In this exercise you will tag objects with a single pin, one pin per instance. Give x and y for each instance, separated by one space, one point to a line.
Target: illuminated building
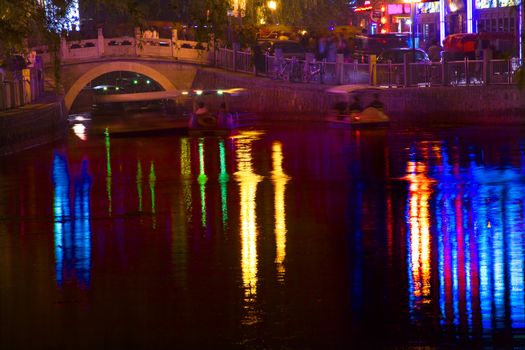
434 20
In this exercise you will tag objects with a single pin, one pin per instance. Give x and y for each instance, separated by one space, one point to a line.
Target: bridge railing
127 46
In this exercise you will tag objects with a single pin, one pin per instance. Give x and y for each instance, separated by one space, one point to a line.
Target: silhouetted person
355 106
376 103
258 60
224 118
340 107
201 108
434 51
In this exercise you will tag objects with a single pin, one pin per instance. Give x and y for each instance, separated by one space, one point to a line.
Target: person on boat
376 103
355 106
224 118
201 109
204 119
340 107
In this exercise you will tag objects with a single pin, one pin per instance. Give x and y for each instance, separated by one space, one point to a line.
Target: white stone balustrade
126 46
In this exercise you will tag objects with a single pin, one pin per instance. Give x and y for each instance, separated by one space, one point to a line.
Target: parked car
395 74
373 44
458 46
289 48
396 55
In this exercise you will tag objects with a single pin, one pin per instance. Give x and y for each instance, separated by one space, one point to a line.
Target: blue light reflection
72 228
478 219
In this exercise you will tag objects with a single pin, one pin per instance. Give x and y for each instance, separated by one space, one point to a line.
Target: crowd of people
326 47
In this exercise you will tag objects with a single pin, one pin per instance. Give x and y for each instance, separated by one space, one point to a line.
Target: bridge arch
109 67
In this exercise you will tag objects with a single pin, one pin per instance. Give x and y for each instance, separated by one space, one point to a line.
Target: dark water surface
289 236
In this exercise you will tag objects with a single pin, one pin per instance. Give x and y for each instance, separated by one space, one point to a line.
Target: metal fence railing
18 88
452 73
243 62
356 73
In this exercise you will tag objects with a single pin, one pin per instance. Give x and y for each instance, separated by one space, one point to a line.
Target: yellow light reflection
152 182
279 179
185 171
420 189
179 217
248 182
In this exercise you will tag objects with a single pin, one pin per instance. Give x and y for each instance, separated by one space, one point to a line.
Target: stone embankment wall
470 105
32 125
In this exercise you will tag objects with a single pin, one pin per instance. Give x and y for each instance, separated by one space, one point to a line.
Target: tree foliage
314 14
17 21
209 17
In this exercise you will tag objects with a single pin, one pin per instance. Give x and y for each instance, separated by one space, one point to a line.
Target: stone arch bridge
168 74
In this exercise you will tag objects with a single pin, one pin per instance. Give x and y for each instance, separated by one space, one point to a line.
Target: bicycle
313 72
287 70
281 70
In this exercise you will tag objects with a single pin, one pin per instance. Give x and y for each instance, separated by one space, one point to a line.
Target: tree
25 22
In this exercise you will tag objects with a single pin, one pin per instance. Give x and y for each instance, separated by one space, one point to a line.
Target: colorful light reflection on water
270 238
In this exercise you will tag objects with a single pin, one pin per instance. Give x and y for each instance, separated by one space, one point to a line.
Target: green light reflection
185 170
223 180
139 184
108 170
202 179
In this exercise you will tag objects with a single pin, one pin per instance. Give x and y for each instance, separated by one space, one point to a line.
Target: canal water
282 236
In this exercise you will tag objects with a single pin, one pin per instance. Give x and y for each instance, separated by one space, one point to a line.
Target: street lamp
272 6
230 14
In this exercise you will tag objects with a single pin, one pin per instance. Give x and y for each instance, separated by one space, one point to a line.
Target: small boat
369 117
209 124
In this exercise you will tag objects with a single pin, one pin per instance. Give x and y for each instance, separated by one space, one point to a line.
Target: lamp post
413 27
230 13
412 21
413 14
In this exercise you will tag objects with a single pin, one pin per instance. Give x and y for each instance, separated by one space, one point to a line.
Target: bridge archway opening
110 67
117 82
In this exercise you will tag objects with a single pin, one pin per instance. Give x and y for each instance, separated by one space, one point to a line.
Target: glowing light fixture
272 5
80 131
442 33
